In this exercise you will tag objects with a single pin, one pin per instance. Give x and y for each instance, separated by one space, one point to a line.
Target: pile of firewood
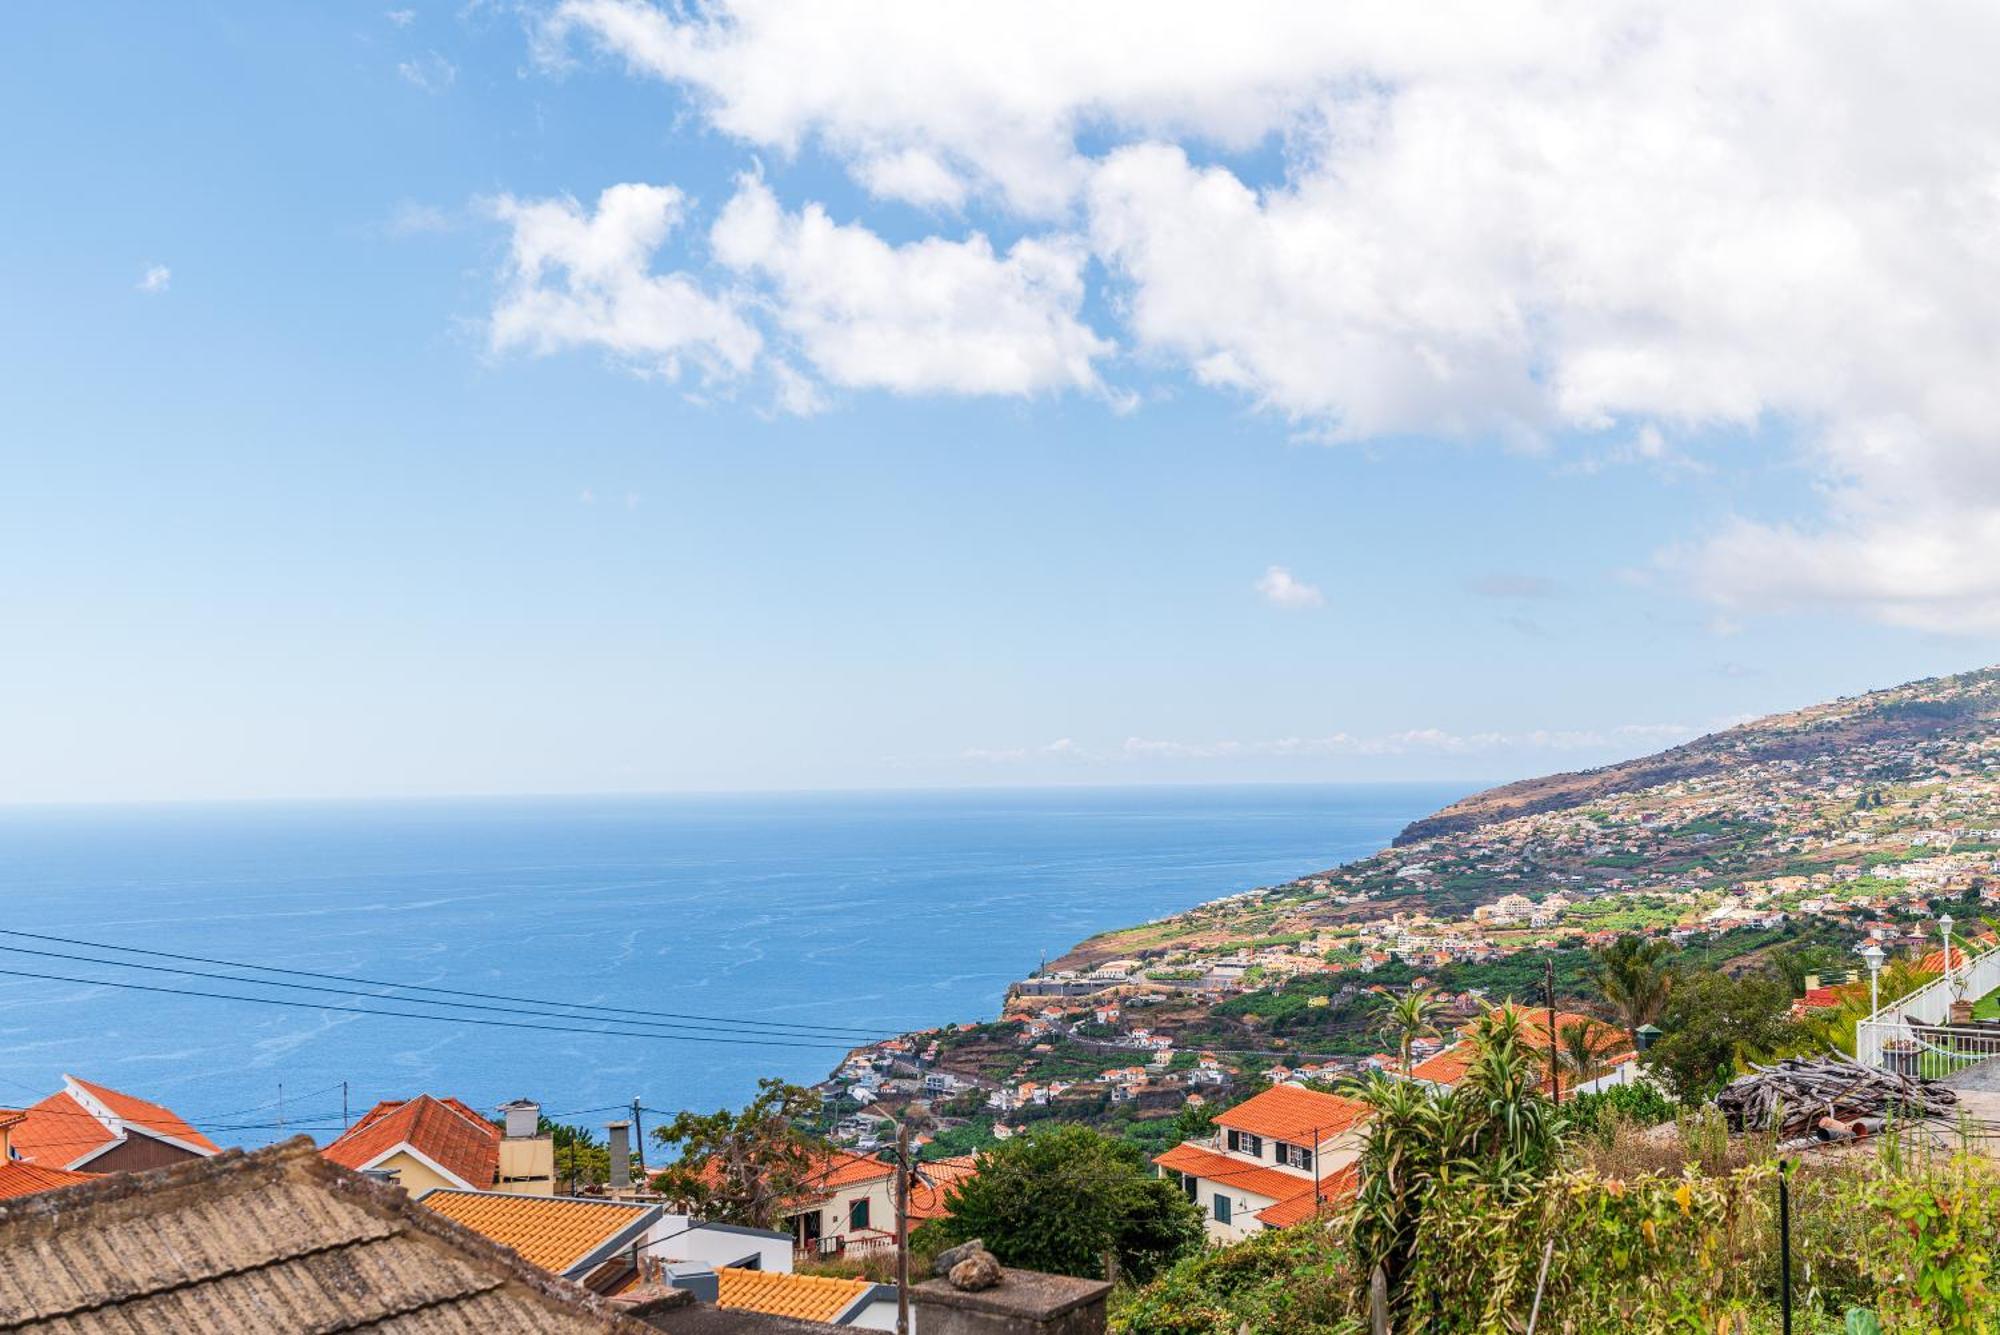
1831 1098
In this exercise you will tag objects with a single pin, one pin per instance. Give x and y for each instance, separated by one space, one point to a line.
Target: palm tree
1578 1049
1409 1018
1635 975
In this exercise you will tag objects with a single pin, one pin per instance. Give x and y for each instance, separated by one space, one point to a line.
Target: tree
1714 1022
750 1167
1064 1197
1636 975
1408 1018
1579 1051
1496 1125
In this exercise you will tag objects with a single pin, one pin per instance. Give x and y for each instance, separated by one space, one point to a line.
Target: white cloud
930 316
402 18
1280 588
413 219
156 278
431 72
1634 222
577 279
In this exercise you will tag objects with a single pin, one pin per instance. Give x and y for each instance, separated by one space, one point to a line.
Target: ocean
858 913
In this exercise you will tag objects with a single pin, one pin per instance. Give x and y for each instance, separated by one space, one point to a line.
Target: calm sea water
878 912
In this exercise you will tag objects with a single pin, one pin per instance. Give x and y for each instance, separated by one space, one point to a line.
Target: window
1233 1140
1252 1145
1192 1186
1298 1156
857 1214
1221 1210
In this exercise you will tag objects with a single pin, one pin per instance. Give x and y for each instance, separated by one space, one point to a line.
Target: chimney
618 1136
527 1158
524 1118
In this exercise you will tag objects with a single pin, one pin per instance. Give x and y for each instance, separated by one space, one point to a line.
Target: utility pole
902 1228
1549 987
345 1120
639 1137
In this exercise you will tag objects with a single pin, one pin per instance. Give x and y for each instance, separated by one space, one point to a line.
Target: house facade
427 1142
1276 1158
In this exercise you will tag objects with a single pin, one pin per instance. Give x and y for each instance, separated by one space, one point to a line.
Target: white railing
1894 1026
1931 1051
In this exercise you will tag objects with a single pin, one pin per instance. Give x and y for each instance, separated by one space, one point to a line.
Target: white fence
1914 1034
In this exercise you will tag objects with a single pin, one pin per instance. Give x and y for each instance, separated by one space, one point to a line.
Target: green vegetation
1063 1198
1713 1024
744 1167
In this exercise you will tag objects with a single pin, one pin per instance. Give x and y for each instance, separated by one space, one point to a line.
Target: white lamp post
1944 928
1871 954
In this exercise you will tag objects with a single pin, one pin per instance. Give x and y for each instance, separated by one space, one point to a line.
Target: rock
979 1270
951 1256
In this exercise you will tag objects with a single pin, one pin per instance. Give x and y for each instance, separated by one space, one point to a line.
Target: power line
415 1015
739 1021
350 992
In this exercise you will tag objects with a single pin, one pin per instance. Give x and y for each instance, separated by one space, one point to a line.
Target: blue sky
292 518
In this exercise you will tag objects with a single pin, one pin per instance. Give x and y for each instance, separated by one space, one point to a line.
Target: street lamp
1944 928
1872 956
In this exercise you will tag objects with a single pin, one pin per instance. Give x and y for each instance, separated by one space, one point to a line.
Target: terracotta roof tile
146 1116
557 1233
445 1131
1287 1112
1333 1190
1210 1166
928 1202
67 1128
276 1240
801 1297
26 1179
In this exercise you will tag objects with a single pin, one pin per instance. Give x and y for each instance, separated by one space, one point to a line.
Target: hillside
1774 845
1852 783
1962 708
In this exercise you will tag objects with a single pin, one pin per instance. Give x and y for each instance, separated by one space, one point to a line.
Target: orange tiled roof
1287 1112
146 1116
26 1179
928 1202
801 1297
842 1169
65 1129
557 1233
1343 1184
1934 962
1210 1166
1445 1067
445 1131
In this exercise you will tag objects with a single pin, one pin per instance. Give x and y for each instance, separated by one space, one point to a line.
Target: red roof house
425 1142
95 1127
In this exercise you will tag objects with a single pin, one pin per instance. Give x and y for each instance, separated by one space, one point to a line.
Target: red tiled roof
1934 962
1343 1184
1256 1179
1446 1067
1287 1112
65 1129
445 1131
842 1169
26 1179
928 1202
58 1131
146 1116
